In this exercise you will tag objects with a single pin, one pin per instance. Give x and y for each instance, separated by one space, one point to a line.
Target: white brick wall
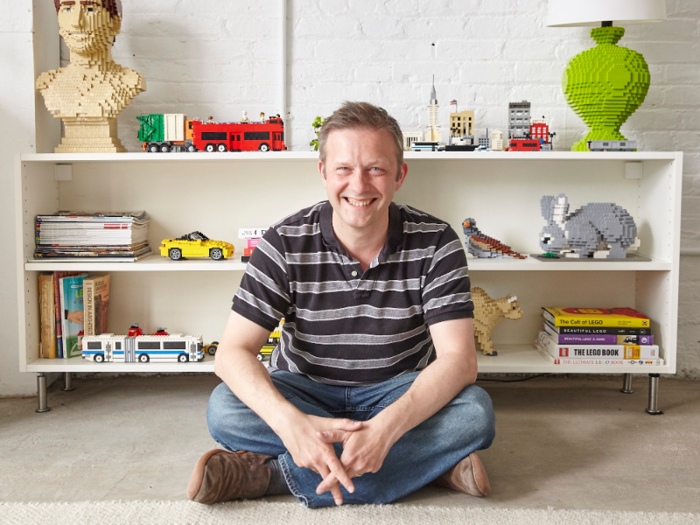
220 57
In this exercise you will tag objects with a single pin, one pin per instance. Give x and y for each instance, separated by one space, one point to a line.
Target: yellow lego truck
272 342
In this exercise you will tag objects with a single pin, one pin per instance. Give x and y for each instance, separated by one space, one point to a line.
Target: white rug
263 513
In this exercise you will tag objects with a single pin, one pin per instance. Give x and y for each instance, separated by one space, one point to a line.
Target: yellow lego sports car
195 244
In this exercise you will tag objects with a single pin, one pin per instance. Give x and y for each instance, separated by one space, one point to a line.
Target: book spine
636 362
600 339
596 320
48 317
101 302
611 330
57 314
89 306
632 352
63 317
598 362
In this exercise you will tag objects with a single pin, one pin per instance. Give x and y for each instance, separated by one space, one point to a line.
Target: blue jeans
465 424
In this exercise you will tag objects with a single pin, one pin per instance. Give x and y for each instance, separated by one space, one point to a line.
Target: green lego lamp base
604 85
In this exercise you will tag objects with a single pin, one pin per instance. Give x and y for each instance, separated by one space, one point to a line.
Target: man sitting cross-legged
369 395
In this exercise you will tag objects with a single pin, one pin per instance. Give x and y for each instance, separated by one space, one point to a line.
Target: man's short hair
353 115
114 7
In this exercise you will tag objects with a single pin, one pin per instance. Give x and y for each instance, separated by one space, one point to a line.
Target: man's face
360 175
86 26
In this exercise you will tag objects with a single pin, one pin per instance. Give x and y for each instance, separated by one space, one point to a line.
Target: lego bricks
600 230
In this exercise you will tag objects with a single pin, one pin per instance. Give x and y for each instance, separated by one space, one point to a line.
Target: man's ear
322 171
403 171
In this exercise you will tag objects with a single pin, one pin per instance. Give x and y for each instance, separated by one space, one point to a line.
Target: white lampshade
592 12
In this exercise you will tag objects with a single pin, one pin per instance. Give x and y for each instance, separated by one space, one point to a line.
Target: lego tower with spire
433 133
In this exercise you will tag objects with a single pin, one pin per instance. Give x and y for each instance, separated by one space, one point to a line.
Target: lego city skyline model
92 90
524 133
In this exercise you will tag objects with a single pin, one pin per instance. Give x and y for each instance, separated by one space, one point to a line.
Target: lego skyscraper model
92 90
433 134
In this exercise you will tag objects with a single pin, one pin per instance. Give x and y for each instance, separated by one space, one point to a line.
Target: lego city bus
143 348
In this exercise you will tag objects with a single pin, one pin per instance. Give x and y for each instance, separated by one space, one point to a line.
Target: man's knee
223 405
477 411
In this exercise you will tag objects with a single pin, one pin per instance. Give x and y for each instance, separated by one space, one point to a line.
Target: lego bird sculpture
483 246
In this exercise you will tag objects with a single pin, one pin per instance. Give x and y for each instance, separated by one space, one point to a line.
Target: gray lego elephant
582 231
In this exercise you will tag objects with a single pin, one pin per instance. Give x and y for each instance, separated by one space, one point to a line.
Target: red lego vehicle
134 330
524 145
160 331
239 136
161 132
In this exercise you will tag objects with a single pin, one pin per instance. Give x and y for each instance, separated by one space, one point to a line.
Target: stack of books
597 336
113 236
71 305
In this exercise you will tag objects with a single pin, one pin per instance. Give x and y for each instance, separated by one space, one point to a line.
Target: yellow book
617 317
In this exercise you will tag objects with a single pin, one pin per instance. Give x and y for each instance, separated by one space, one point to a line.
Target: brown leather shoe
467 476
220 475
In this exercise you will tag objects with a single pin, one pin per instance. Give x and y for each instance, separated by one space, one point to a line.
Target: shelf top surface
523 358
59 158
157 263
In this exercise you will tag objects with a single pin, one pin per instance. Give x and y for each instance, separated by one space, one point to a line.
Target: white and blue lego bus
176 348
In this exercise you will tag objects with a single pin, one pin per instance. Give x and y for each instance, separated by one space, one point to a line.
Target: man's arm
237 365
439 383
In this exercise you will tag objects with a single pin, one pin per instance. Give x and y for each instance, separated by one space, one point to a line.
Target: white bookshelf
219 193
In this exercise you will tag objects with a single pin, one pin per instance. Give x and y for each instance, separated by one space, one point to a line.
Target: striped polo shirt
344 326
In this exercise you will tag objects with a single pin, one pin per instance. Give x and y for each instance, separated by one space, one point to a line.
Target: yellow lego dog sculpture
487 314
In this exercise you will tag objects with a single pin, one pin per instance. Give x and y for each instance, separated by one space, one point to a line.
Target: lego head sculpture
92 90
606 84
89 28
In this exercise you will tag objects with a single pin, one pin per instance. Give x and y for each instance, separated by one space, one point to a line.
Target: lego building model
518 119
483 246
410 138
497 140
433 134
539 130
462 124
525 133
89 93
599 230
488 313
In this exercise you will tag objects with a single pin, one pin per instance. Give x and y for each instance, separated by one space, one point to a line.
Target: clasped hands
365 445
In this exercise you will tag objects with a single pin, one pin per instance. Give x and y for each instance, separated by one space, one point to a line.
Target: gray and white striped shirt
345 327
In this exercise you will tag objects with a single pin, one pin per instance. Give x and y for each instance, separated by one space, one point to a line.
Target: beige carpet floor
264 513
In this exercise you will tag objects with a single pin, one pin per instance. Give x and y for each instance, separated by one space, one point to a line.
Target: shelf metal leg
68 383
41 388
653 408
627 384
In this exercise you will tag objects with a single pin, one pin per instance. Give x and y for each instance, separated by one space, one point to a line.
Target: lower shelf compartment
511 359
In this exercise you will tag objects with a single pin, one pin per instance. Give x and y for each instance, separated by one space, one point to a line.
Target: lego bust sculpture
92 90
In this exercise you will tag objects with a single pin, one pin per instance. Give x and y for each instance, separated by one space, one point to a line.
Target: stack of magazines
597 336
75 236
